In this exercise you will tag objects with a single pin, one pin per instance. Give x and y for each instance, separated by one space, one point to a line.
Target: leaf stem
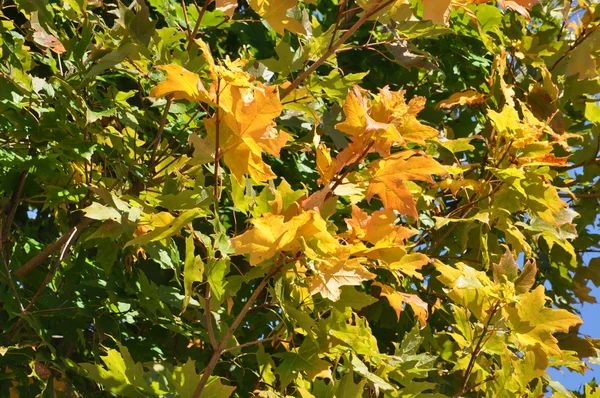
217 154
250 343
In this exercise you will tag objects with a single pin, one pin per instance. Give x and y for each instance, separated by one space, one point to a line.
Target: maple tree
343 198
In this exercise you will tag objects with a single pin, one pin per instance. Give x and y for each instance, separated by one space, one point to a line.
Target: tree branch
197 26
341 177
337 21
250 343
332 49
69 240
14 204
73 233
476 351
587 163
217 154
221 347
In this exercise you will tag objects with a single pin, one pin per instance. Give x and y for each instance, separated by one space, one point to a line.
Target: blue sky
590 313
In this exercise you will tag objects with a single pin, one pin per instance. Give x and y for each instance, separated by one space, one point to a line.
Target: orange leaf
397 300
248 129
467 97
381 225
387 176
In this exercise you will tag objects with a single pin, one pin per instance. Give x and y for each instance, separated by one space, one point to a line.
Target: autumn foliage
346 198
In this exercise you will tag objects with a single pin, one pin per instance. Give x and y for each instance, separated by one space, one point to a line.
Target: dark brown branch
583 164
579 195
73 233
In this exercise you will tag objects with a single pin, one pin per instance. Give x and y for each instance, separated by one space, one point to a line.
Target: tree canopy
297 198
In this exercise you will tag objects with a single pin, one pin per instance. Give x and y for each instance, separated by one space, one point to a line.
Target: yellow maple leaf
331 277
388 176
403 115
180 83
275 13
508 124
247 130
533 323
409 264
389 121
271 234
325 166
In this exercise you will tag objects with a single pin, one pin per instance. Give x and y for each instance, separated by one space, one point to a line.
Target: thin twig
187 22
208 316
53 310
250 343
577 42
14 204
197 26
163 121
375 9
220 349
579 195
474 386
217 154
337 21
48 250
349 169
160 156
70 239
476 351
587 163
12 282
